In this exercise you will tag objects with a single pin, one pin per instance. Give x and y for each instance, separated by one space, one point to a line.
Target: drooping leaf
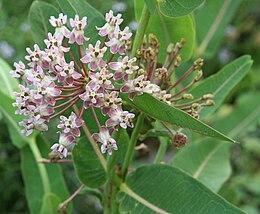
83 8
169 114
88 167
7 82
176 8
39 16
164 189
50 203
170 30
210 30
222 83
208 160
11 119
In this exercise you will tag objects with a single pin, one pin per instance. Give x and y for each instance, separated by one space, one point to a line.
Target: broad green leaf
176 8
152 6
164 189
34 174
221 84
122 140
208 160
164 112
211 21
88 167
50 203
11 119
83 8
39 16
170 30
7 82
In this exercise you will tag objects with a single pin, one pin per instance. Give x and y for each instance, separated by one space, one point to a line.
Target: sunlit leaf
164 189
211 21
170 30
176 8
209 160
7 82
39 16
12 119
221 84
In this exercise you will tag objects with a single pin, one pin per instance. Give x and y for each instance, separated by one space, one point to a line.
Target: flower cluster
93 78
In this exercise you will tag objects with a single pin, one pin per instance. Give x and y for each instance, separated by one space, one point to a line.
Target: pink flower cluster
52 84
57 80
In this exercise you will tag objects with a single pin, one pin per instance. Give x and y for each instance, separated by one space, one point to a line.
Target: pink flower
109 27
110 101
108 143
60 25
118 116
35 56
123 66
67 73
117 42
65 143
70 125
94 56
101 79
92 97
77 34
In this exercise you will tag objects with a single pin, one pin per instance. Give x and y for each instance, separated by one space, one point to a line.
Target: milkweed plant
100 85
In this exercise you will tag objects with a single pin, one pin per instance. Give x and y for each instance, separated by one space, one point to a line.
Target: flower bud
198 75
187 96
207 96
170 48
198 63
152 39
210 103
179 140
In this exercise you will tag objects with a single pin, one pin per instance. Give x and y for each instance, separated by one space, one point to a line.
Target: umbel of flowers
51 84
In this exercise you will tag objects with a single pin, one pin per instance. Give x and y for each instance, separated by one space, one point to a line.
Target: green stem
106 204
42 169
131 146
115 205
162 150
141 30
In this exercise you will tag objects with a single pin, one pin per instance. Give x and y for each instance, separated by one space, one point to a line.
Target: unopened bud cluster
56 79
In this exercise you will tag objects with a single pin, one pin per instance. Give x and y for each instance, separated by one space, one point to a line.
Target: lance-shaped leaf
39 16
164 189
170 30
176 8
7 82
11 119
50 203
210 30
83 8
209 160
163 112
221 84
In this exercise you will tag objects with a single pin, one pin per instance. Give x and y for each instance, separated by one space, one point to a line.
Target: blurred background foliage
242 36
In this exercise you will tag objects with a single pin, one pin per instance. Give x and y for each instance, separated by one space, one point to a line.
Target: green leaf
50 203
176 8
170 30
221 84
211 21
88 167
122 140
164 189
207 160
7 82
151 5
33 176
39 16
164 112
12 119
83 8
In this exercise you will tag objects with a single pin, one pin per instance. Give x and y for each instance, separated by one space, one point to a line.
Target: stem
114 205
92 142
55 161
64 204
141 30
131 146
82 64
106 200
162 150
96 118
42 169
